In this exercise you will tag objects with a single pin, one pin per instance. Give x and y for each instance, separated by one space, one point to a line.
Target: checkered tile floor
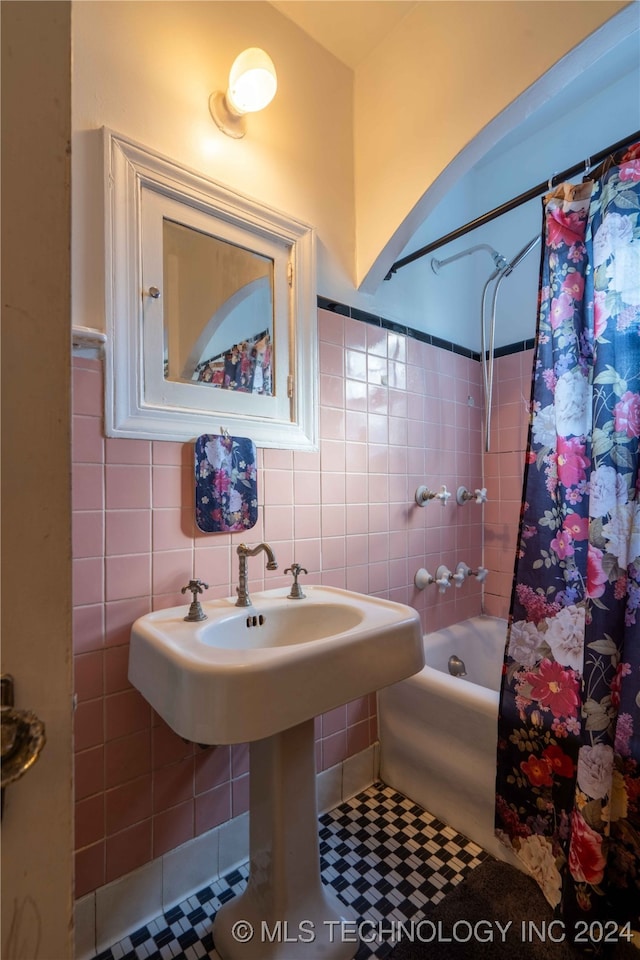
383 855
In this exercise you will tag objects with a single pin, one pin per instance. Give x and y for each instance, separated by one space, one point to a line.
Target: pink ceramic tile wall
395 413
504 467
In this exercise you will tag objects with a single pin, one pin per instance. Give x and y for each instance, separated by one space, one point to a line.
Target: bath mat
226 483
467 924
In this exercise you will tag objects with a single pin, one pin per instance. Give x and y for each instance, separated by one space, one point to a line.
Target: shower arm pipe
497 258
531 194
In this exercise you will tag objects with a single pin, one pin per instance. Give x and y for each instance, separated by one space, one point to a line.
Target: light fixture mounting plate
231 124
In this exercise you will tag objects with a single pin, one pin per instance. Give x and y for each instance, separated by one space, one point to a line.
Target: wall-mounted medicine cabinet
211 308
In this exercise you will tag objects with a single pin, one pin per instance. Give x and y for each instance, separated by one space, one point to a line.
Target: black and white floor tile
384 856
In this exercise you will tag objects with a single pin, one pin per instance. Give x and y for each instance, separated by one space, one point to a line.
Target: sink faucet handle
195 587
296 592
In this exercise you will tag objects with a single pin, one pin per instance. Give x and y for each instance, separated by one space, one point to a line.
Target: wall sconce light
252 85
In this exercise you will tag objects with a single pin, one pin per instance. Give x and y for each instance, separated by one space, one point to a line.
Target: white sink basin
280 624
261 674
248 672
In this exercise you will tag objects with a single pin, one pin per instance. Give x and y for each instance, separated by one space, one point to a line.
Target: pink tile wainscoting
504 467
395 413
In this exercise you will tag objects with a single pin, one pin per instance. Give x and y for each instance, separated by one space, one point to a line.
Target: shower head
497 258
519 257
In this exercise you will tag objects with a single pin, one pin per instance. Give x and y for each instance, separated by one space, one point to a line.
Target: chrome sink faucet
243 551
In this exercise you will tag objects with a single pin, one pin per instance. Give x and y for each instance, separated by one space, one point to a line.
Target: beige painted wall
439 78
146 69
37 825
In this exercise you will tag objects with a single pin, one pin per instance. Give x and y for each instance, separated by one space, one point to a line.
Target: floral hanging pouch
226 483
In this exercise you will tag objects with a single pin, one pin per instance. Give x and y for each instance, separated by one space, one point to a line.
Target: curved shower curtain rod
540 188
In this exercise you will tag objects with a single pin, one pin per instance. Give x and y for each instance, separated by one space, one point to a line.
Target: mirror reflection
218 312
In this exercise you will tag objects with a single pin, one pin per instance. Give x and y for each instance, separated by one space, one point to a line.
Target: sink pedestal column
285 912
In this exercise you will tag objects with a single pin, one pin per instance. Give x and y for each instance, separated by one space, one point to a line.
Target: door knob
23 736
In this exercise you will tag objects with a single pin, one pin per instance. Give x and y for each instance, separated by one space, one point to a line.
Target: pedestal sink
261 674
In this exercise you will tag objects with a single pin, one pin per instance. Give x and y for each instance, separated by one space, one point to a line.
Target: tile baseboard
110 913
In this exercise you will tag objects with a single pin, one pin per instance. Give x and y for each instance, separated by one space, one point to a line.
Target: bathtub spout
456 666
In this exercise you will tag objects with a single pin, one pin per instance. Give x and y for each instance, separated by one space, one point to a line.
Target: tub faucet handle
463 495
461 574
424 494
481 574
443 578
443 496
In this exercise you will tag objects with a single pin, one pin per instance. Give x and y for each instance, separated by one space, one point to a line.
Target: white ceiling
352 29
349 29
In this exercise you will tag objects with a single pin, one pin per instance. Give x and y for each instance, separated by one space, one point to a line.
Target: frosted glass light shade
252 81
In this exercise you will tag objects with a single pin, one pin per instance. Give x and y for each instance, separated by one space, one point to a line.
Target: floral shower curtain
568 775
245 367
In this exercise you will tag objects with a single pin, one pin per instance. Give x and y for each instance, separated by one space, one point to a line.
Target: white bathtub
438 733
